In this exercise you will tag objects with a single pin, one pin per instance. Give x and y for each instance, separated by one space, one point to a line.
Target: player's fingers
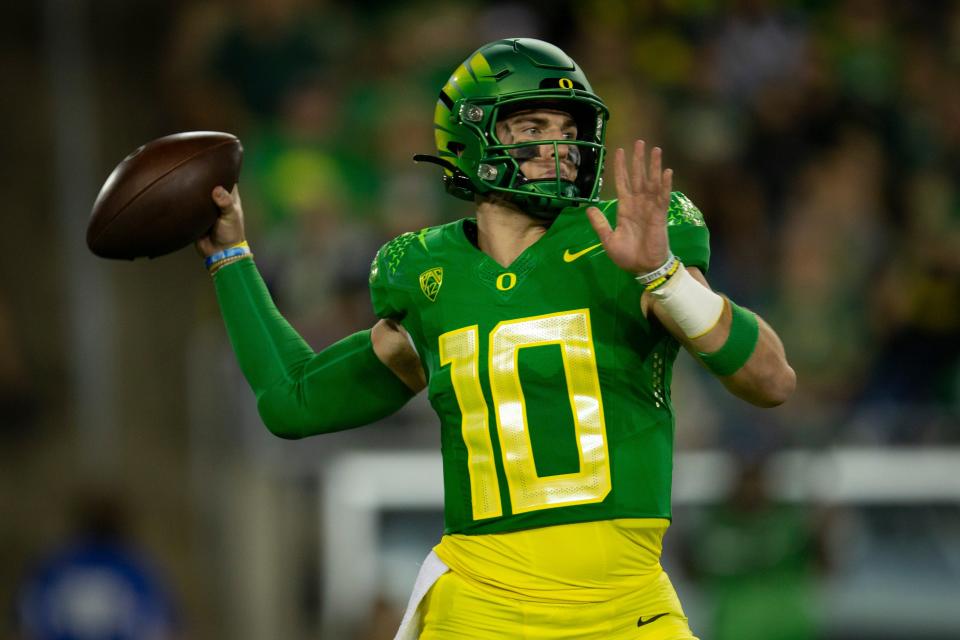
599 223
667 187
655 178
223 199
639 176
620 174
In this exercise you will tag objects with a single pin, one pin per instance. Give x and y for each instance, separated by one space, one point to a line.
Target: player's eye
531 131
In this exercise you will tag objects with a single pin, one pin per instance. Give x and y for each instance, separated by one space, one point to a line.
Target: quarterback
544 330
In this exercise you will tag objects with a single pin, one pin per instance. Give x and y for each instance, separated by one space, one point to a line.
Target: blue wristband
231 252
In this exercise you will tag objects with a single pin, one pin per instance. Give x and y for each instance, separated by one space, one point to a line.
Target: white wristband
695 308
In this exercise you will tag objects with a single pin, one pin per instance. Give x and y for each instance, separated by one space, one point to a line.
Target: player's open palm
639 243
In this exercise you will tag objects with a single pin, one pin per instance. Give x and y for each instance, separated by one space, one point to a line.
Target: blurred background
139 493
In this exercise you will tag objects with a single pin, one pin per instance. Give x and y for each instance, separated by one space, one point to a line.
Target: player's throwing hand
228 230
639 243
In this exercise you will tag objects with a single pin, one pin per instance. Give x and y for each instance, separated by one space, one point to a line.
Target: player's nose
549 151
545 151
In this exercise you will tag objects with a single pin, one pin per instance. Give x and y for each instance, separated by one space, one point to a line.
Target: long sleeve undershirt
301 392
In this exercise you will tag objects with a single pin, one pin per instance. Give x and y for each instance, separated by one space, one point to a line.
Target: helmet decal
560 83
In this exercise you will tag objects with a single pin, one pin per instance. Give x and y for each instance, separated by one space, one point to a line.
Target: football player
545 330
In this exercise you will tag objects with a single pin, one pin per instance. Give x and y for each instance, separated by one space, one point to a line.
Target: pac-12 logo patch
430 281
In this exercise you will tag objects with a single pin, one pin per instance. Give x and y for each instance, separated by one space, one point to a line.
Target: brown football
158 199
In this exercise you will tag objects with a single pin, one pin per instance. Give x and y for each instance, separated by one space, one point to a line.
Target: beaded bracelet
220 265
659 276
230 254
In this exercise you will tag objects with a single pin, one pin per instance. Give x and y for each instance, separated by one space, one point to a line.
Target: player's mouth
546 172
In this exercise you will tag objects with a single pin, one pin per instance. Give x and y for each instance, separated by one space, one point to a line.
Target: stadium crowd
820 140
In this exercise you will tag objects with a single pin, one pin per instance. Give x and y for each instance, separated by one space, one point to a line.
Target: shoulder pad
391 254
387 292
683 211
403 253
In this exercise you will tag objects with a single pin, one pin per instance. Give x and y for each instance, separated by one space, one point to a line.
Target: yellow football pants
457 608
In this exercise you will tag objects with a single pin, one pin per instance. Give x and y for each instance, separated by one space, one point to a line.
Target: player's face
541 124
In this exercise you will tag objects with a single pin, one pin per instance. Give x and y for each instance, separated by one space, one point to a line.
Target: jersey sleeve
389 299
381 295
301 392
688 233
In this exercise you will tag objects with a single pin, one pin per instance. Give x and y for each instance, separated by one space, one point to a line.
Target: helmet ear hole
456 147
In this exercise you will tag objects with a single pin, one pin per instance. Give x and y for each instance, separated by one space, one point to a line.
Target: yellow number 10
528 491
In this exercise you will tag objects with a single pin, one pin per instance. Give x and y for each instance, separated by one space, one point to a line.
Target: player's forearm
765 379
341 387
742 351
299 392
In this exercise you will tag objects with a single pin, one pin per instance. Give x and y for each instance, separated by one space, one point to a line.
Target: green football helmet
501 78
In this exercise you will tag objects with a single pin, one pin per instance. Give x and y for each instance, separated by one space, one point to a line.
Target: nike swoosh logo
642 622
570 257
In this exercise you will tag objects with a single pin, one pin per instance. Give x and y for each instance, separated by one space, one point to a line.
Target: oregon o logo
566 83
506 281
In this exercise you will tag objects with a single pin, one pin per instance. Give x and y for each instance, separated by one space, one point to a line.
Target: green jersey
552 388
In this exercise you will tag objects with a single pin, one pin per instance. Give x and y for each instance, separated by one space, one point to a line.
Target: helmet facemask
500 167
505 77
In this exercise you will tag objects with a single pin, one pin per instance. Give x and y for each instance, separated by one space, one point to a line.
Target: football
158 199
